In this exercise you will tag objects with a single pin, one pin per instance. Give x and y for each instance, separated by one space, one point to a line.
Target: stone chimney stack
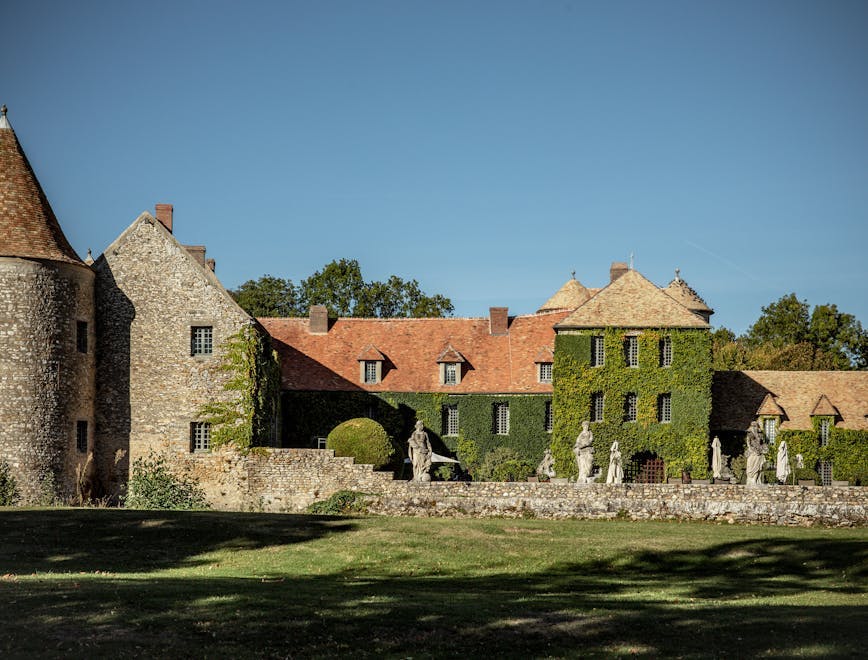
319 320
498 320
211 264
164 215
617 269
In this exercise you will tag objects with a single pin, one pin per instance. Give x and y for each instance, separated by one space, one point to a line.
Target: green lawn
115 583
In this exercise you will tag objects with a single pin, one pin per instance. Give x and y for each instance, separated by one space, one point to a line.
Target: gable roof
631 301
28 226
371 354
202 268
500 364
449 354
737 396
824 407
769 407
569 296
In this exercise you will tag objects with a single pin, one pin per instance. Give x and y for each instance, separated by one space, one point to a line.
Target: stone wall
46 383
291 479
150 292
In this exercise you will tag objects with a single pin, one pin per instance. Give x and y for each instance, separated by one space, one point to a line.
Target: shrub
504 464
153 486
468 454
341 502
363 439
9 494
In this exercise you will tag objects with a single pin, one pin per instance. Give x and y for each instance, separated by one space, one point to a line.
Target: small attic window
545 372
371 375
450 373
371 366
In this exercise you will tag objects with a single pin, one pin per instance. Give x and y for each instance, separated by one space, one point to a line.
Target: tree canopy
342 289
788 335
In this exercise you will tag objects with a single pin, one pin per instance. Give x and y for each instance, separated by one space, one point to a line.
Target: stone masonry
150 293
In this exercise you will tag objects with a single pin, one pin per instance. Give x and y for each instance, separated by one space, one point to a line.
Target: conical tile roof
569 296
631 301
28 227
683 293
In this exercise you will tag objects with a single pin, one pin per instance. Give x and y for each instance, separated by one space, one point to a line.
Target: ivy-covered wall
681 442
307 415
846 448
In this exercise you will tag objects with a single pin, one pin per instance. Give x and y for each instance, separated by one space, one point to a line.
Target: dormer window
544 360
450 362
371 366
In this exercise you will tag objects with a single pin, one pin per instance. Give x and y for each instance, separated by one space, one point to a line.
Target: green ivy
248 419
848 451
682 442
307 415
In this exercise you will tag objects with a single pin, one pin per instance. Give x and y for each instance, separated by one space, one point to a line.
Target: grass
115 583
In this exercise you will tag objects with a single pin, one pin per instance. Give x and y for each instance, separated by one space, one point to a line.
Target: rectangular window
500 415
370 371
631 351
201 340
664 408
81 336
450 419
824 432
598 352
450 373
200 436
550 417
597 407
666 352
770 428
630 406
824 469
545 372
81 436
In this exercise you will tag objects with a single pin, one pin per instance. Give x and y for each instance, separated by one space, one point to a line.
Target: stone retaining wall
291 479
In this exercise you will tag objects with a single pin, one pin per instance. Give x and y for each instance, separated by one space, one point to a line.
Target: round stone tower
46 339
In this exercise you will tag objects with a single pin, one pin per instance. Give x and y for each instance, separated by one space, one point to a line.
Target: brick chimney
498 320
164 215
319 320
617 269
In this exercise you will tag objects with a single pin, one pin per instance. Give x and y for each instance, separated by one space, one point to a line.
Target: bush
153 486
9 494
363 439
340 503
504 464
468 454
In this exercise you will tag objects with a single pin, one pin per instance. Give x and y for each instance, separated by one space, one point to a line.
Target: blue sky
486 149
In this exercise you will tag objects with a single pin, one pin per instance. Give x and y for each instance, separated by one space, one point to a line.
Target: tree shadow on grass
683 603
132 541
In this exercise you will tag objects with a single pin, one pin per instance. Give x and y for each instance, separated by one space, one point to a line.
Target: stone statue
716 459
584 453
755 454
616 472
546 467
782 470
420 453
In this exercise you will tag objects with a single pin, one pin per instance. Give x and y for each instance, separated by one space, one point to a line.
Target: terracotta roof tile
449 354
569 296
28 227
631 301
825 407
737 395
370 353
545 354
770 407
494 363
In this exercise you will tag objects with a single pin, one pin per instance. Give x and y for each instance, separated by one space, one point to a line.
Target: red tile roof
737 396
28 227
494 363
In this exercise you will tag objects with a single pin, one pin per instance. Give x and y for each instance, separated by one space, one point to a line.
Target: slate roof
500 364
28 226
632 301
737 396
569 296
